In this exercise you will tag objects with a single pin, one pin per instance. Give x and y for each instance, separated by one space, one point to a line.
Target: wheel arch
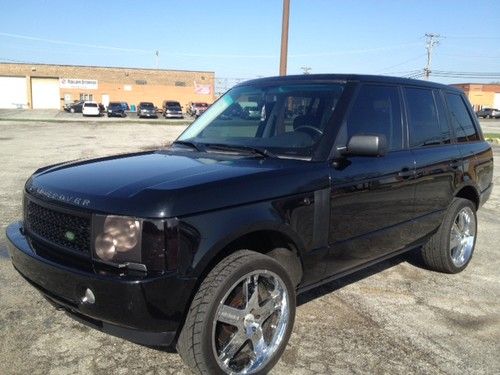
272 239
469 192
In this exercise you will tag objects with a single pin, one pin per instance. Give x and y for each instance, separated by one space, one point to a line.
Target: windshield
286 119
147 105
90 105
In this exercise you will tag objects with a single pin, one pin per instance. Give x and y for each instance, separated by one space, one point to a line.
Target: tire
201 341
451 248
72 110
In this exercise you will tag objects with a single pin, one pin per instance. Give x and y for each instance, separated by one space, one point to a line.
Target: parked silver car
488 113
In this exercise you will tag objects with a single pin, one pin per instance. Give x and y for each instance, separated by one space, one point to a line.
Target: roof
106 67
348 77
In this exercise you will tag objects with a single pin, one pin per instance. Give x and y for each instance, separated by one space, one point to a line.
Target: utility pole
284 37
305 69
432 40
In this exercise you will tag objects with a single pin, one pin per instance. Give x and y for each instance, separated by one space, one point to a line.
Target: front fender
294 217
217 229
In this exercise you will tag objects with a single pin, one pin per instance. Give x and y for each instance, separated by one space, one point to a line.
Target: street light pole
284 37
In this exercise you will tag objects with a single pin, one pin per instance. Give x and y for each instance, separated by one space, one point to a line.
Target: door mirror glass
366 145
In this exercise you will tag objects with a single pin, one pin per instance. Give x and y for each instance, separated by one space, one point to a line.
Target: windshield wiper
191 144
238 148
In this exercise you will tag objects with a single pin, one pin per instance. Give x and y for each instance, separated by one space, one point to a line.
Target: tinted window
423 118
460 119
444 125
376 110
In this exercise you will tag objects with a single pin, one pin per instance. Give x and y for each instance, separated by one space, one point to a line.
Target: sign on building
202 89
77 83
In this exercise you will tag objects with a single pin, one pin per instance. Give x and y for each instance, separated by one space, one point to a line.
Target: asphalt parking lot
393 318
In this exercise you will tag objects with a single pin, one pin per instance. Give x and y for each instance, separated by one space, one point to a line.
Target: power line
403 63
470 37
204 55
53 41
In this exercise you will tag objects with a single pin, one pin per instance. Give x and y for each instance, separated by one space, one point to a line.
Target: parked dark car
125 106
116 109
172 109
205 245
146 109
488 113
75 107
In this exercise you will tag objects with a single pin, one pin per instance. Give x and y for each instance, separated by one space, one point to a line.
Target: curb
97 121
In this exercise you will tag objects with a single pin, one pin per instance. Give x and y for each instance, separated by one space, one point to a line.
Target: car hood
170 183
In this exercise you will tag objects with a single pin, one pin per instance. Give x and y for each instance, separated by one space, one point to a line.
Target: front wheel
241 318
450 249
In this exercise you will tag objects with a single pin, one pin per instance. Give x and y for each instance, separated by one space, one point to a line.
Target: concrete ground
393 318
490 125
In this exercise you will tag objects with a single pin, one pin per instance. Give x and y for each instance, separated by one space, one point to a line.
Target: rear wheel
241 318
450 249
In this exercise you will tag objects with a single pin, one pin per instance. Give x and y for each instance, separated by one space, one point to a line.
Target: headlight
138 244
118 239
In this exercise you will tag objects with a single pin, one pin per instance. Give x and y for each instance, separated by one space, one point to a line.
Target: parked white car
91 109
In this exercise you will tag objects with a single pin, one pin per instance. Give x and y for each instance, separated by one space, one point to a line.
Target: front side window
376 110
461 121
287 119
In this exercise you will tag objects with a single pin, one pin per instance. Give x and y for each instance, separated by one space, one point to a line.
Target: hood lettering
77 201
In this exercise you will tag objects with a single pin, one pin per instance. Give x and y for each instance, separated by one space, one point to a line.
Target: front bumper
147 114
173 115
147 310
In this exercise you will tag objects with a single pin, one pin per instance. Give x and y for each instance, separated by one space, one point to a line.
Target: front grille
63 229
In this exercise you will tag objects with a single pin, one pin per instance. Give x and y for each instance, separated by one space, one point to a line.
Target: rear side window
461 121
377 110
427 125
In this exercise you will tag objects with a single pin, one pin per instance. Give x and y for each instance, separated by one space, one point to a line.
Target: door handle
455 164
405 173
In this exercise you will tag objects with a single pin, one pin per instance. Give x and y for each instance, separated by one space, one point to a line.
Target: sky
241 39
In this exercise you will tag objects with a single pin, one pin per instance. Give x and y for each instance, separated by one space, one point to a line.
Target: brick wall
480 95
122 84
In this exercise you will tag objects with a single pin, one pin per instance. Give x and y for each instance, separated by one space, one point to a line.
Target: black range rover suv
204 245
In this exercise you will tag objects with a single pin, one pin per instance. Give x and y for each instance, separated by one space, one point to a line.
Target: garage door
45 93
496 103
13 92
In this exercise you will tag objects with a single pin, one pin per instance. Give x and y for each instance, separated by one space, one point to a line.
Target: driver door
372 197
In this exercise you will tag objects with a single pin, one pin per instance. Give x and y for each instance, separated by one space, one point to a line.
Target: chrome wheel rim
250 322
462 236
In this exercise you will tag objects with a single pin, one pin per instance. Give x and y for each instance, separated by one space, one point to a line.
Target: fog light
88 297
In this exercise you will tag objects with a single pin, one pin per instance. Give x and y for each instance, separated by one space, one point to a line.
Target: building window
87 97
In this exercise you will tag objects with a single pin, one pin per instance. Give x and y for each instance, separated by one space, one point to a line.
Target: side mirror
366 145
